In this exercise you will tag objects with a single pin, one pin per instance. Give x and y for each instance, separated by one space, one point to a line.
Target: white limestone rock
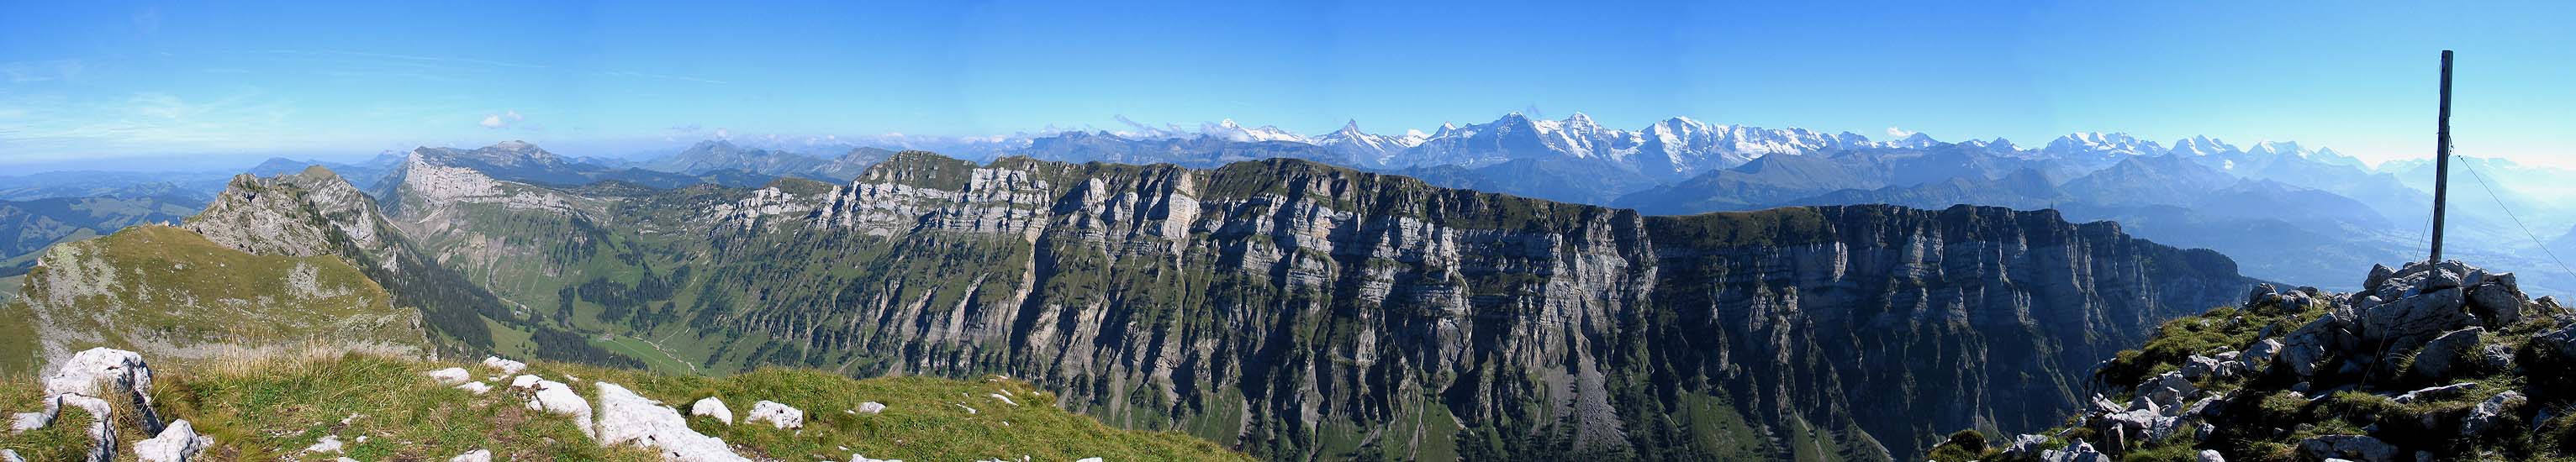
87 370
450 376
328 443
2078 452
865 458
34 420
555 397
504 365
2490 412
25 421
102 431
871 408
712 407
475 387
177 443
1005 399
524 381
629 419
478 455
779 415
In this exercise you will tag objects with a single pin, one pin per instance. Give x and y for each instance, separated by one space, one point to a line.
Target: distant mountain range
2320 211
28 227
2311 212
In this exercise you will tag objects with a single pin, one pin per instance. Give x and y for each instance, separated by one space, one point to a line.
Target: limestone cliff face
1299 309
470 222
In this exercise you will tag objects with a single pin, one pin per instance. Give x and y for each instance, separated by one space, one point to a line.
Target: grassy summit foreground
174 296
380 408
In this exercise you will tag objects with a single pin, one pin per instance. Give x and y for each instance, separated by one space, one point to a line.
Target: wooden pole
2442 162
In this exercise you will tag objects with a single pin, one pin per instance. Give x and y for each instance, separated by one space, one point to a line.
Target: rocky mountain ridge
2438 361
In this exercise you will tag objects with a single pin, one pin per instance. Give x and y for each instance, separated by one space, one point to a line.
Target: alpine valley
1723 293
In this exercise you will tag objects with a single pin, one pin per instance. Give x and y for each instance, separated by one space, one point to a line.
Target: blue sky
129 85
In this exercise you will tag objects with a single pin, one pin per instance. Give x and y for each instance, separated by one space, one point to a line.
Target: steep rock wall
1303 309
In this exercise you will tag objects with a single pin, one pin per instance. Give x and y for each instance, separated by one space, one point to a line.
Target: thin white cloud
1899 132
502 120
1140 130
47 127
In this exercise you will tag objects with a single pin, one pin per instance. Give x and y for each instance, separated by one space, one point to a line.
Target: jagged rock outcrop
2409 369
305 214
316 213
1296 308
96 381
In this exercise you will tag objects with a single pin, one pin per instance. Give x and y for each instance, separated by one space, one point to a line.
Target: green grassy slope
172 294
272 409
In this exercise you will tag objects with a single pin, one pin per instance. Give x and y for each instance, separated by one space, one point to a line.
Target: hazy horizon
175 85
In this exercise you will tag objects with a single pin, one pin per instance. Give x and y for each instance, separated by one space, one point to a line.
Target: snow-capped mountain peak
1364 148
2099 143
2202 146
1579 121
1230 131
2278 148
1998 146
1916 140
